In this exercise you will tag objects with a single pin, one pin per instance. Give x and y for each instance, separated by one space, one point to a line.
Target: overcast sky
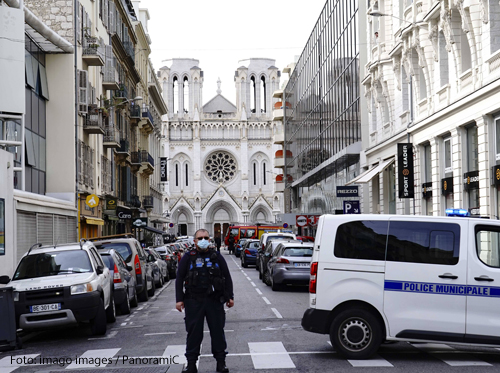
219 33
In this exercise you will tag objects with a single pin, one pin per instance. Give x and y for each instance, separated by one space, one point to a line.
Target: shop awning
153 230
366 176
94 221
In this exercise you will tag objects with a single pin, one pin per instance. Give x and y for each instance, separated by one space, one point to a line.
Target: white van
404 278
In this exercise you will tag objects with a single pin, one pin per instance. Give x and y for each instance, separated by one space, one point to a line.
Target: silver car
290 264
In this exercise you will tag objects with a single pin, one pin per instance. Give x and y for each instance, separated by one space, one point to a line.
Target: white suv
62 285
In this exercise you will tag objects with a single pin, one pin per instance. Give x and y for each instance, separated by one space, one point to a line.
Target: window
176 95
263 108
472 149
488 245
187 177
176 175
185 89
428 163
254 174
252 94
264 173
361 240
423 89
419 242
2 227
448 166
444 75
465 53
497 135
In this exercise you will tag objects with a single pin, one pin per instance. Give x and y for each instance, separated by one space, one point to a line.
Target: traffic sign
351 207
301 220
313 220
285 225
92 201
171 225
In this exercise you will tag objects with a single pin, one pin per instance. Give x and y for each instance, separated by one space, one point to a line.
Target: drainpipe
75 85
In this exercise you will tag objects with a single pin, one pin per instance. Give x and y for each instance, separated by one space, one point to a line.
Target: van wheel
356 334
111 310
125 306
134 302
143 296
98 323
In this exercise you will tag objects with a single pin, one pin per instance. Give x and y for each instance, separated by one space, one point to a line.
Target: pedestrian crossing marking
8 364
178 350
376 361
92 355
270 355
449 356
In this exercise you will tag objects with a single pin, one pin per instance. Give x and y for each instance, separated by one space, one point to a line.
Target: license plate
45 307
302 264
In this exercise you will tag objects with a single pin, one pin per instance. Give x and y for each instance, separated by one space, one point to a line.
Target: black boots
221 367
190 367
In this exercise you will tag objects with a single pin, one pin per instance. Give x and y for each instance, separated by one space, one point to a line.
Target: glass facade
323 95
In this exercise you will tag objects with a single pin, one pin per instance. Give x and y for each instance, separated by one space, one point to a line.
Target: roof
219 103
59 247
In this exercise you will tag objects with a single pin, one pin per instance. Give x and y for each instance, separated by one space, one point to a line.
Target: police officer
205 277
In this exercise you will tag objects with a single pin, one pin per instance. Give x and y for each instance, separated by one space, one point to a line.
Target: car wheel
260 274
356 333
172 274
133 301
143 296
98 323
167 277
125 306
151 292
267 278
160 281
275 286
111 310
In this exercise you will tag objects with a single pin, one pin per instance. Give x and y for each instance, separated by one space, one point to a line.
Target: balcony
279 138
111 137
135 161
129 49
93 122
93 52
148 202
147 122
134 201
123 151
111 78
279 187
279 160
279 110
135 114
147 163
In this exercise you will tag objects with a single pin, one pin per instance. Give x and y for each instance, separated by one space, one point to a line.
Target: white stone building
220 155
432 79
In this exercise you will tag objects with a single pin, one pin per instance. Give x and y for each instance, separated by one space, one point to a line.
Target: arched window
252 94
263 107
176 175
264 173
187 177
465 52
494 12
423 88
255 174
176 95
444 76
185 88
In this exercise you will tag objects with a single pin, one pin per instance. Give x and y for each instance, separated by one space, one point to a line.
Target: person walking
202 286
230 242
218 242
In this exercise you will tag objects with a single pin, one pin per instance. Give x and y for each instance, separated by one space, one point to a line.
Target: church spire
218 87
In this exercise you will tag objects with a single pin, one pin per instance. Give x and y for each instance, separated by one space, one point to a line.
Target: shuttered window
45 229
26 232
60 229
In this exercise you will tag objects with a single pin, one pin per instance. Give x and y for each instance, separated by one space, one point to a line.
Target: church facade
220 167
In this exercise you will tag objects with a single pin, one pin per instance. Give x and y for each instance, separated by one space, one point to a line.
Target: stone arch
183 214
261 210
223 202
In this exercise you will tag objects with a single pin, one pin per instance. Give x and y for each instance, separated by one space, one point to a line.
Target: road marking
266 300
253 284
449 355
92 355
258 291
160 333
179 350
278 315
225 331
270 355
123 324
7 366
249 279
376 361
109 335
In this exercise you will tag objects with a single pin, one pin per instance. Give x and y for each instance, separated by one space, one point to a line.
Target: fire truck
249 231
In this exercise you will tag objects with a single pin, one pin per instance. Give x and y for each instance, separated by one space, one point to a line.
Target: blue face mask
203 244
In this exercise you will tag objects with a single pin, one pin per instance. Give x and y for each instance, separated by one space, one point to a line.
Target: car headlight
15 295
81 288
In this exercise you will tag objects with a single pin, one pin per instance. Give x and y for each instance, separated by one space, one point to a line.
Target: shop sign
471 180
447 186
405 170
92 201
427 190
123 214
111 203
347 191
163 169
140 222
496 175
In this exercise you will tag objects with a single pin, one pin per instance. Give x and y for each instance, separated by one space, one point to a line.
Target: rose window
220 167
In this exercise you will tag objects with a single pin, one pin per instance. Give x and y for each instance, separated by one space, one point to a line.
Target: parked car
124 289
305 238
61 285
134 255
263 242
289 264
249 252
168 255
177 250
267 254
162 265
238 246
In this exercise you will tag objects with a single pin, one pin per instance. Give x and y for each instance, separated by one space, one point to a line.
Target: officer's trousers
196 311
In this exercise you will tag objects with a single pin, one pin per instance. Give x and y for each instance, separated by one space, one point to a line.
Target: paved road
263 333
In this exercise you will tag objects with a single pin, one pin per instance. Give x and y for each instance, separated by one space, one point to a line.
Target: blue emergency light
457 212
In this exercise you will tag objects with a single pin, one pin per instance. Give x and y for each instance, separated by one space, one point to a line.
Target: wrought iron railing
148 202
146 157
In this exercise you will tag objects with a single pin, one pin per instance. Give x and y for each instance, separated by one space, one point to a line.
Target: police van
377 278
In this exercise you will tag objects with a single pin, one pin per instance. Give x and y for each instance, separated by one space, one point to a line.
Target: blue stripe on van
443 289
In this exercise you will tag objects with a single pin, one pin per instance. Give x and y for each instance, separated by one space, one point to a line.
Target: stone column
484 171
456 157
436 189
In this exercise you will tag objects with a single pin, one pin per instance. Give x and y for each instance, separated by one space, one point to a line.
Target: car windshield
298 251
254 245
52 264
122 247
273 238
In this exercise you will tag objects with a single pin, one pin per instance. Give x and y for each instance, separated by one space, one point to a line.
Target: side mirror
99 270
4 280
129 268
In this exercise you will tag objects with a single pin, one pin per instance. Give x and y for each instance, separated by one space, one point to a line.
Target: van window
361 240
422 242
488 245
